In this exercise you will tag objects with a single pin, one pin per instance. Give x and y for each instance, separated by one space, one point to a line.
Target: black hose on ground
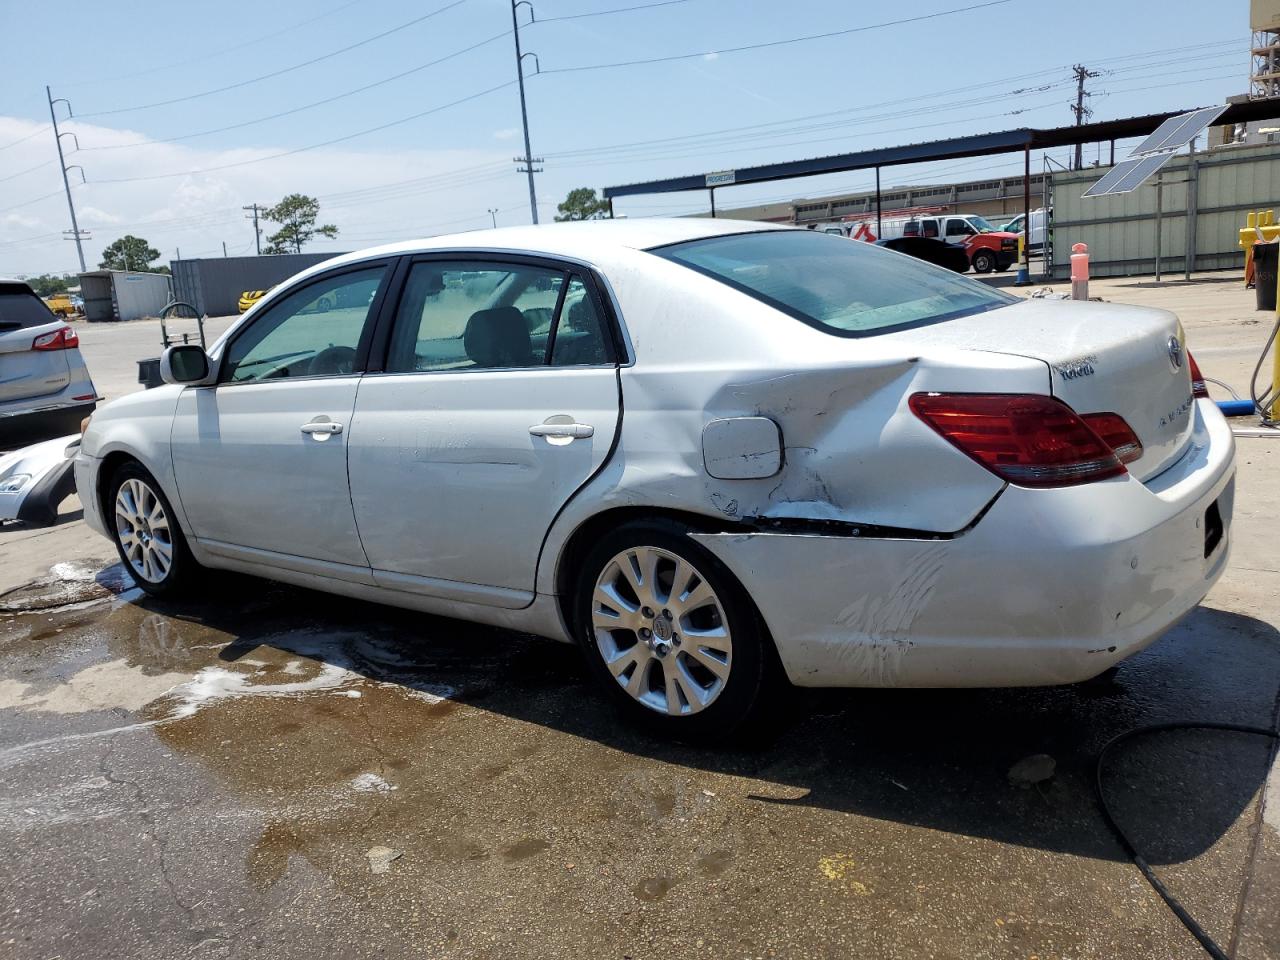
1178 909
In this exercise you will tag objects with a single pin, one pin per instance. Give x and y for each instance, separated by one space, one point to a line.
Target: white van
1040 222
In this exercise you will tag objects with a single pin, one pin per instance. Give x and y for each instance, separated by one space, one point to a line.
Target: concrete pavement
270 772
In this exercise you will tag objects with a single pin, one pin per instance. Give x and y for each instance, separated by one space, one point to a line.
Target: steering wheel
333 360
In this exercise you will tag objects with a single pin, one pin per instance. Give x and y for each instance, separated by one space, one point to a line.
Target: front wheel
146 533
983 262
670 633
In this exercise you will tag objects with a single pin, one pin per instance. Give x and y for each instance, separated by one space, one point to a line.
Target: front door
499 400
261 458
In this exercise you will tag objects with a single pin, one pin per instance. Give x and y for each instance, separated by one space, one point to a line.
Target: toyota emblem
1175 353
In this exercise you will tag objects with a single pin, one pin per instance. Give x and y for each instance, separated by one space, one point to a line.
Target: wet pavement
279 773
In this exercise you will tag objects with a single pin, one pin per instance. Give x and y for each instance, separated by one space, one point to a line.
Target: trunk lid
31 374
1099 358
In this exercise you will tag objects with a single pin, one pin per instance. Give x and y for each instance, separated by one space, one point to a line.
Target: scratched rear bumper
1050 587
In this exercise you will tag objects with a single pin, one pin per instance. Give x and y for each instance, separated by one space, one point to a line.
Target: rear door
498 400
27 373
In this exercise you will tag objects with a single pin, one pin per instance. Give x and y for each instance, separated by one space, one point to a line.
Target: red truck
989 249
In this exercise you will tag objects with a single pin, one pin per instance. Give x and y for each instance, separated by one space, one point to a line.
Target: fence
1222 185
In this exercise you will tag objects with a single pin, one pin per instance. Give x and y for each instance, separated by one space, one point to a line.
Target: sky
403 116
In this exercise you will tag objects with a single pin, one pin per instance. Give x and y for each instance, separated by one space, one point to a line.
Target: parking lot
272 772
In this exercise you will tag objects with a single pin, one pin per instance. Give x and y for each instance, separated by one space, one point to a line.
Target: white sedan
715 454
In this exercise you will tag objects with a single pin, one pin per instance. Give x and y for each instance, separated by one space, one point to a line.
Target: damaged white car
713 453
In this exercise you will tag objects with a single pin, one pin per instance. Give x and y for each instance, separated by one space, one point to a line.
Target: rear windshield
20 308
843 287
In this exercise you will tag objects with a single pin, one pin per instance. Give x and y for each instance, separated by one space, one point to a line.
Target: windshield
842 287
980 224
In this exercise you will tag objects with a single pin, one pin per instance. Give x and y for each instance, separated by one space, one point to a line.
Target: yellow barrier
1263 220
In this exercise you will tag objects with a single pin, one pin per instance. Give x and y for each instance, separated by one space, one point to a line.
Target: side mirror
185 363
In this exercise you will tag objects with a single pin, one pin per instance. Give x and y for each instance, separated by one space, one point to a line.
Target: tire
648 665
983 262
145 531
324 305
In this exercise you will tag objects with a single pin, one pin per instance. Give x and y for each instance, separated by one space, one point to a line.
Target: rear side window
20 308
842 288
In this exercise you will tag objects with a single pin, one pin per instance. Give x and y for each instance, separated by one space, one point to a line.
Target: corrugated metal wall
123 294
139 294
1120 229
213 285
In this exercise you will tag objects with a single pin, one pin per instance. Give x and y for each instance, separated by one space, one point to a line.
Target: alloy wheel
142 527
661 630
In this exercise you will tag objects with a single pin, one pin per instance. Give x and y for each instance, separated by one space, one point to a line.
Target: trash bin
1264 274
149 369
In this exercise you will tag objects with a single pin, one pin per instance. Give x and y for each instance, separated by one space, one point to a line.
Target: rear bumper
1049 587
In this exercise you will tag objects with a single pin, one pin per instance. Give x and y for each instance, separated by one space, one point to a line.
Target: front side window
312 332
842 288
475 315
958 228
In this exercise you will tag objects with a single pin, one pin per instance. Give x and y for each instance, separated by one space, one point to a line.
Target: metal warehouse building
123 294
213 285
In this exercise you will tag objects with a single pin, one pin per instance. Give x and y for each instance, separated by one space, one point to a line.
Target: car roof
583 239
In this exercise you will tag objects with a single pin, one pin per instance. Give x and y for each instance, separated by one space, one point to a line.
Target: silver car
716 454
45 390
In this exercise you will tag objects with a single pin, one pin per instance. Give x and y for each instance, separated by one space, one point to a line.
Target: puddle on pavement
481 758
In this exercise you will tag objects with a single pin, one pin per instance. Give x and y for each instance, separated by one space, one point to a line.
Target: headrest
498 338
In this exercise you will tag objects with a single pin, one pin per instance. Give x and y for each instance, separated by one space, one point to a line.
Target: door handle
570 431
321 428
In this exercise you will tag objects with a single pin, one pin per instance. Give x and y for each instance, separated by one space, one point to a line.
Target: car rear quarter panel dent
852 450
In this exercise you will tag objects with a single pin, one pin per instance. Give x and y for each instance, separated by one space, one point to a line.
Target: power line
27 203
603 13
217 53
38 166
280 72
312 146
779 43
29 136
307 106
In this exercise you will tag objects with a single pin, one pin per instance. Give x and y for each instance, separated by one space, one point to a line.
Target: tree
129 253
46 285
297 215
582 204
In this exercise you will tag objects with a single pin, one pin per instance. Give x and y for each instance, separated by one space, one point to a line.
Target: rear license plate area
1212 528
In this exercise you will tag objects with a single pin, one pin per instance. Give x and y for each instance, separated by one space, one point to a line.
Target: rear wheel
670 633
146 533
983 261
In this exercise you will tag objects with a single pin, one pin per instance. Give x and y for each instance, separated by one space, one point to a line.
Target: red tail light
1198 388
63 339
1116 434
1029 440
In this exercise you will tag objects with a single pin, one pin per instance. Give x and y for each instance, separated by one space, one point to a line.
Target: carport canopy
1025 139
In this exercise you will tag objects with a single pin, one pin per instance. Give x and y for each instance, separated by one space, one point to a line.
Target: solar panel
1176 132
1128 174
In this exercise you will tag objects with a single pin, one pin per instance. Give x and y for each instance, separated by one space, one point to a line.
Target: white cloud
711 56
506 133
450 190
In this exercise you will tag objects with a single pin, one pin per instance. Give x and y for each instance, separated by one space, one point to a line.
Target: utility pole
528 158
257 234
75 231
1079 109
493 215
